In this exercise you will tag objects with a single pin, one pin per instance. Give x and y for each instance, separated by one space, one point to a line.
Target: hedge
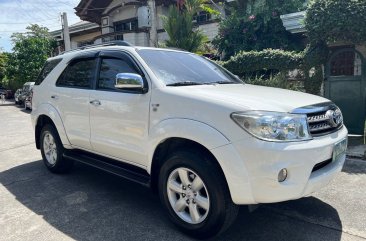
336 20
268 59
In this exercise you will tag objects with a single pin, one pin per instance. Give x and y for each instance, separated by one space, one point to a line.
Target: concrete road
89 204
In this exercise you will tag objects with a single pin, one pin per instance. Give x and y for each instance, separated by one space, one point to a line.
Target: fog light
282 175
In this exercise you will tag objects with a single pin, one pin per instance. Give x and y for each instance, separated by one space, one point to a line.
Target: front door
346 87
118 119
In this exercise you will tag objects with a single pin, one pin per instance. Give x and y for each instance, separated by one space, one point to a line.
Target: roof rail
110 43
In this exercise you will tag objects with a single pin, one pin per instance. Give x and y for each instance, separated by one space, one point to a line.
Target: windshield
180 68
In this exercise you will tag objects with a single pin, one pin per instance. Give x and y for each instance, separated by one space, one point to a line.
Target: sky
16 15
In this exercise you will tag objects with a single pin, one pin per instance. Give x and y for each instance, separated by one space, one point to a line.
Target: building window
126 25
105 21
202 17
347 63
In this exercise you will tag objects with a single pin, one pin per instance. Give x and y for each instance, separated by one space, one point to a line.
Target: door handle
54 97
95 102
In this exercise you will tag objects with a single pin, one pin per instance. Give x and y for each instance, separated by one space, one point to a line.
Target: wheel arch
172 134
170 145
47 114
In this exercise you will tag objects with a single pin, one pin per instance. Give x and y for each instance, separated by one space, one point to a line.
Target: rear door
71 98
119 119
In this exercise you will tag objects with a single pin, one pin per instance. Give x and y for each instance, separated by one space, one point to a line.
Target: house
81 33
344 76
135 22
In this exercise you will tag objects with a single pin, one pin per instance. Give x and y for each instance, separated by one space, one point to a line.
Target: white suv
186 127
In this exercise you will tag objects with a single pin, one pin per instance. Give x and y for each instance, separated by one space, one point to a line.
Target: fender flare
51 112
193 130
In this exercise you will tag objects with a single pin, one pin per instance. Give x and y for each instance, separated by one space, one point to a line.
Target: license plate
339 149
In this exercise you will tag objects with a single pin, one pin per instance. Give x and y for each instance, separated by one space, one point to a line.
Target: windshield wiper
223 82
185 83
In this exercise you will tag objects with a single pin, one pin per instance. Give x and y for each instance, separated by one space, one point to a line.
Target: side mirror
129 81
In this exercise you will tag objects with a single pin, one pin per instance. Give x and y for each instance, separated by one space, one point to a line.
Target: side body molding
51 112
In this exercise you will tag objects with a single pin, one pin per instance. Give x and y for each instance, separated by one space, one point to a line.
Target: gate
345 85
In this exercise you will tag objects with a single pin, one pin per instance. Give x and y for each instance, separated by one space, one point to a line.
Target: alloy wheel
188 195
50 148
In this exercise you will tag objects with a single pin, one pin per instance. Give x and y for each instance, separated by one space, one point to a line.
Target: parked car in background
18 93
28 100
8 93
26 91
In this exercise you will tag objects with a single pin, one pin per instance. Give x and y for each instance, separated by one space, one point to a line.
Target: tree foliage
330 21
256 25
179 24
3 60
30 51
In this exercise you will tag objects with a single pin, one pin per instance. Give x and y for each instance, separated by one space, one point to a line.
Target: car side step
118 168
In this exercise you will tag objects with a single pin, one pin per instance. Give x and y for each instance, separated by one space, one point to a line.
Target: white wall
137 39
162 37
81 38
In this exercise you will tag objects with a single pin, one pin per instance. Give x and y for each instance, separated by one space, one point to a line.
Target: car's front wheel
52 151
195 194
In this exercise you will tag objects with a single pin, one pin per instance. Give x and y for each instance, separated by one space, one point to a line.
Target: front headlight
273 126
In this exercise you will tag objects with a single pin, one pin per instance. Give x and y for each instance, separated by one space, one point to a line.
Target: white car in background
186 127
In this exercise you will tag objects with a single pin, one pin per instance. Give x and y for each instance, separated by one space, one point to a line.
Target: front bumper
251 167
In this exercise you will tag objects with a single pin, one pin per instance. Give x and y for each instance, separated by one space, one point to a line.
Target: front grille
323 118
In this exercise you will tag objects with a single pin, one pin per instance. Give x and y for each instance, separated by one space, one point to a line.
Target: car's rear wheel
52 151
195 194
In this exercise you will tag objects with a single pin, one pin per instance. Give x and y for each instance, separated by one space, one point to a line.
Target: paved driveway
89 204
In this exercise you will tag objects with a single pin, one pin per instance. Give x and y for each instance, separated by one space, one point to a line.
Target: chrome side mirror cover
129 81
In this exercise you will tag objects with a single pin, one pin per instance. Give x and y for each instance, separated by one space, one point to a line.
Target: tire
25 106
52 151
211 200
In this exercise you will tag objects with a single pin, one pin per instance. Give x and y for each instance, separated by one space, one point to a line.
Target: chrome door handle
95 102
54 97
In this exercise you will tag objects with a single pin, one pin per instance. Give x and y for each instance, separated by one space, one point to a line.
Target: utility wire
30 21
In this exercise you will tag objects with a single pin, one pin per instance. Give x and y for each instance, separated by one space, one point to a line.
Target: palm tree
182 34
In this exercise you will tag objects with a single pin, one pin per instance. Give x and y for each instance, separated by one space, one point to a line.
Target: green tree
30 51
3 60
179 27
256 25
330 21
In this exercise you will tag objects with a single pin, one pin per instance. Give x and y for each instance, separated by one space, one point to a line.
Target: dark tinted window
110 68
79 74
126 25
47 68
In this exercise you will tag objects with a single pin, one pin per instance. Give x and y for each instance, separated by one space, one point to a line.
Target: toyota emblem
335 117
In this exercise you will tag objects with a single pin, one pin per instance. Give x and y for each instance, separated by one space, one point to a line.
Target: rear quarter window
47 68
79 73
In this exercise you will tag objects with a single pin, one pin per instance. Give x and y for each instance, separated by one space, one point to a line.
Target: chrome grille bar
319 120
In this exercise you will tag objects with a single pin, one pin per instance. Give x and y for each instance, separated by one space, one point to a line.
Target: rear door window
79 73
47 68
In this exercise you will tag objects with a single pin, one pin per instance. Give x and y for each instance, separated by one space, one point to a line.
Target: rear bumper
251 167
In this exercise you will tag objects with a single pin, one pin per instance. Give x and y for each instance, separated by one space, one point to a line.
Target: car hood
250 97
